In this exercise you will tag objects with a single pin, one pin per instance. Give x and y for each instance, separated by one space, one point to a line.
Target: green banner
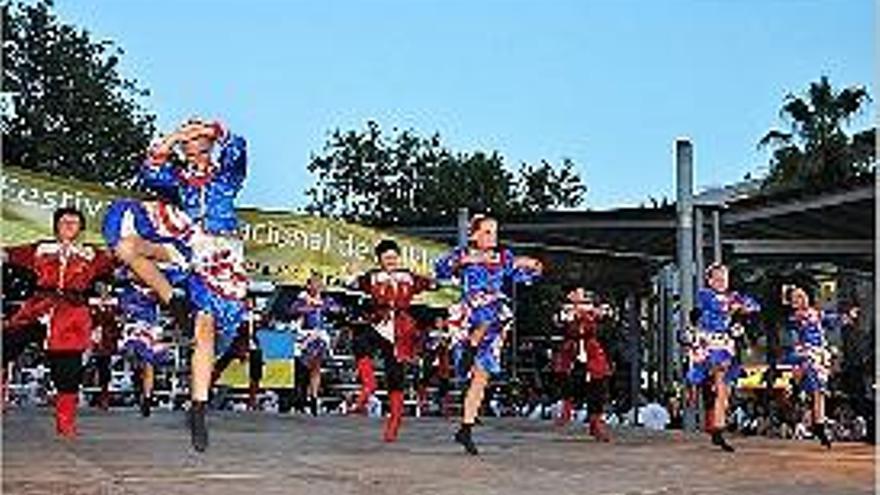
280 247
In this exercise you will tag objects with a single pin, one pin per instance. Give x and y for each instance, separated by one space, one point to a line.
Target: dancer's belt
479 299
69 295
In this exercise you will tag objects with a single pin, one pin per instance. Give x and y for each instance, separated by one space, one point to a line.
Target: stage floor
259 453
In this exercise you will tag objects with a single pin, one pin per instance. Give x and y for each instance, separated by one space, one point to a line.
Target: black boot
718 439
146 406
179 308
198 427
463 436
822 434
313 405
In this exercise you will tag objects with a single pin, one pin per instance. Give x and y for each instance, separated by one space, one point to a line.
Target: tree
73 115
544 187
366 176
816 151
347 174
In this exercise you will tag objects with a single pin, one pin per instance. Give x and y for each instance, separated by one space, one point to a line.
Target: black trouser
593 392
66 370
102 366
16 340
560 385
255 365
428 371
366 341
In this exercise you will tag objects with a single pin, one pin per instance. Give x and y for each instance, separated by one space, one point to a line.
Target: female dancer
713 348
811 356
201 234
312 307
142 341
482 269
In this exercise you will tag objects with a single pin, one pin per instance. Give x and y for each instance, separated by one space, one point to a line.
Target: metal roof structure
623 246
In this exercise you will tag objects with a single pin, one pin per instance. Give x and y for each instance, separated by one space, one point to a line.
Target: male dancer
66 270
393 331
105 338
584 357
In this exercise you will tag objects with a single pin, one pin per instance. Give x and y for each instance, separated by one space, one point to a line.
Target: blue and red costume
199 228
314 335
810 355
713 344
483 301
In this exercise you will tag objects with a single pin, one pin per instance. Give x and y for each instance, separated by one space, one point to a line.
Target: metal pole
716 236
663 364
463 226
699 234
684 175
632 305
514 356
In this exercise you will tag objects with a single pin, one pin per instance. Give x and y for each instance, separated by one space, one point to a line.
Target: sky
609 84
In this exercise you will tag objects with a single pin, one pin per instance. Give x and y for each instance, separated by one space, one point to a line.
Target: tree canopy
368 176
68 111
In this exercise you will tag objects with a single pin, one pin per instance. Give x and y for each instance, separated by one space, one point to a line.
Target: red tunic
106 327
64 273
581 324
392 294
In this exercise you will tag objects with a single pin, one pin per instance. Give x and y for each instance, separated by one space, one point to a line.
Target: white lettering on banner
346 246
48 199
326 239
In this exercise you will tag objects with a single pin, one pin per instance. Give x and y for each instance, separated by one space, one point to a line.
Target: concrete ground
256 453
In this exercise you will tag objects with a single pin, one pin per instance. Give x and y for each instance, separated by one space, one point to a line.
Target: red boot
368 384
565 415
598 429
395 416
65 414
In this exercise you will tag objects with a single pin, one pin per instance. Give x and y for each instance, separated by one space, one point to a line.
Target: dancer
143 337
244 346
713 348
393 330
584 359
312 308
105 338
201 234
435 367
482 268
66 270
812 357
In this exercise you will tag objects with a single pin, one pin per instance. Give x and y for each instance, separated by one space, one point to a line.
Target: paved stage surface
256 453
